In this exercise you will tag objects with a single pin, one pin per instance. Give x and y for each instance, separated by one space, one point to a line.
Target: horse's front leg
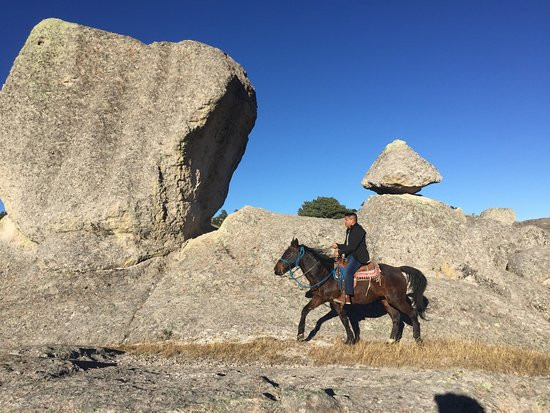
345 321
314 302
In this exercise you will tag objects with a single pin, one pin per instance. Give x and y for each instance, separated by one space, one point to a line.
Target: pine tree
218 219
323 207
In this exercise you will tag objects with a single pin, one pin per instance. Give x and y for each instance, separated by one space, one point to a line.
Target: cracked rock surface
86 379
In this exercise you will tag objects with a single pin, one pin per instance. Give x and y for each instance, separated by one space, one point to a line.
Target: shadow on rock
357 313
457 403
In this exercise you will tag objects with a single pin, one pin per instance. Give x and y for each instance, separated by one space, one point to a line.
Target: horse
319 269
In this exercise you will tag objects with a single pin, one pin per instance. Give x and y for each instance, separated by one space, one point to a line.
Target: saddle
368 272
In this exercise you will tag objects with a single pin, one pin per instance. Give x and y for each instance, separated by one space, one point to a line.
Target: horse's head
289 258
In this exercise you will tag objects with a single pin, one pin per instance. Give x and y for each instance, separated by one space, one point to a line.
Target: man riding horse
355 250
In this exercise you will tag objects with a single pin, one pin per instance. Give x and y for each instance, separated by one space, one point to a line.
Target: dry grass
431 355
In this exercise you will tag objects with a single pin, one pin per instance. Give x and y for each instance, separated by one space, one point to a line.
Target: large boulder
416 230
399 170
446 244
504 215
115 151
533 263
419 231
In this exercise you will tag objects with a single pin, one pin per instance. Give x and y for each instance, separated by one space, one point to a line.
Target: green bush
323 207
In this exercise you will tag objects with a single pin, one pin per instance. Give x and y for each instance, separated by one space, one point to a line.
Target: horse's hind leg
396 321
313 303
356 330
405 307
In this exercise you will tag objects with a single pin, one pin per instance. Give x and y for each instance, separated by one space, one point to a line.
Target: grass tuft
440 354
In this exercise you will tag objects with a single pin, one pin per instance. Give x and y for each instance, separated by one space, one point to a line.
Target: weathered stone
543 223
533 263
115 151
502 240
133 383
504 215
444 243
400 170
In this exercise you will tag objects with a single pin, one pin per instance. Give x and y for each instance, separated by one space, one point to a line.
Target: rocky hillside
222 285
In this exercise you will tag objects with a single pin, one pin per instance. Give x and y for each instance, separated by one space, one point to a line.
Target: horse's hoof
356 340
300 337
348 342
391 341
419 341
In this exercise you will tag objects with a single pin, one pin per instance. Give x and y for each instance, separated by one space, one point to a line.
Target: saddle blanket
367 272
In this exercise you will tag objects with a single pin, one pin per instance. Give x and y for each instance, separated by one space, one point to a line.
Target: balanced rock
115 151
400 170
504 215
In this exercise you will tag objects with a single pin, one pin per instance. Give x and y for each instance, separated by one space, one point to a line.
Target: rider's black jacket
356 244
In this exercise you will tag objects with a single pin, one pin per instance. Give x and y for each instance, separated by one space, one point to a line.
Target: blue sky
465 83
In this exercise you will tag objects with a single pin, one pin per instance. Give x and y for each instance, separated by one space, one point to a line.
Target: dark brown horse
318 268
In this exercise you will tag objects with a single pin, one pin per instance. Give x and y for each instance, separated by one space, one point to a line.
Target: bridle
301 254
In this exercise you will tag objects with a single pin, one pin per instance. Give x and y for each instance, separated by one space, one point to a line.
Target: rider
355 250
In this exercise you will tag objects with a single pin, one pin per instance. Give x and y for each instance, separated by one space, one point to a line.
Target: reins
297 264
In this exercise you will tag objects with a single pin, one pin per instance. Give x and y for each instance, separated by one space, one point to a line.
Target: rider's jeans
353 265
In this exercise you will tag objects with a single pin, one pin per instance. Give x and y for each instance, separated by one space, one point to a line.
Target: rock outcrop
399 170
221 285
543 223
504 215
532 263
115 151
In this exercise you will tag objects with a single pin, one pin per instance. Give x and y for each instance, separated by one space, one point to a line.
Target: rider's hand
334 245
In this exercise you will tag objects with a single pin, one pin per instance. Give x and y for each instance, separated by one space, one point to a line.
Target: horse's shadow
358 313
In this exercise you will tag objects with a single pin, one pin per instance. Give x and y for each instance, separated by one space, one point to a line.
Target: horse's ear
294 242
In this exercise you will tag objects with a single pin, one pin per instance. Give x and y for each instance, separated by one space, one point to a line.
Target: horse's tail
417 283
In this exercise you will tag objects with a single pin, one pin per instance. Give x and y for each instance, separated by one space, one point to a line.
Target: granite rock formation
532 263
221 285
399 170
116 151
504 215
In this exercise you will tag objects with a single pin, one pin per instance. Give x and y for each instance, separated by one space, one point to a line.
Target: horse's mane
324 258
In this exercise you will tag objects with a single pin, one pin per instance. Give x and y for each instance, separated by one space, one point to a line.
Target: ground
69 379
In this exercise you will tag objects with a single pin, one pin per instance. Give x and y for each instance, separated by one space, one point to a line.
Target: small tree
218 219
323 207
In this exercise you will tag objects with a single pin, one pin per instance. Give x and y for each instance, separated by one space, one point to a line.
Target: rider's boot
343 298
